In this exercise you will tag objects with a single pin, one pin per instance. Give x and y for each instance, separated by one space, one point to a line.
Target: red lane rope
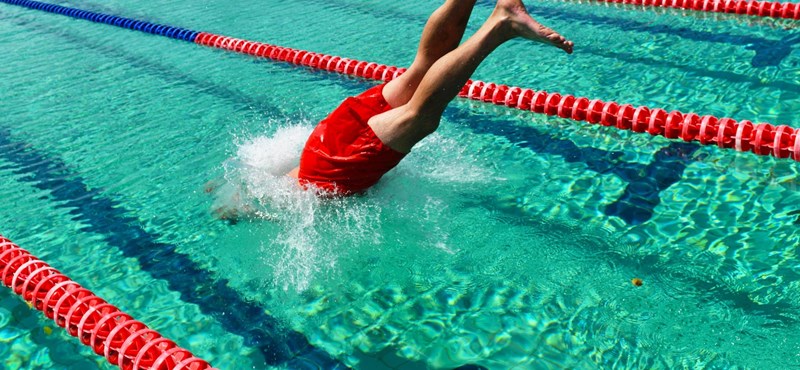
744 136
111 333
741 7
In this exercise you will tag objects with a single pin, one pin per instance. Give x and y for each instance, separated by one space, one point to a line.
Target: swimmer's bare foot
513 14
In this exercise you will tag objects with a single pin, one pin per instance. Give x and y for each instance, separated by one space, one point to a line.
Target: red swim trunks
343 156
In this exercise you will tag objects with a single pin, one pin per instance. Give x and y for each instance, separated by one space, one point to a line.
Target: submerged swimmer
368 135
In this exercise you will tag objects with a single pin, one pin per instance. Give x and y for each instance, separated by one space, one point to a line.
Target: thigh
399 91
401 128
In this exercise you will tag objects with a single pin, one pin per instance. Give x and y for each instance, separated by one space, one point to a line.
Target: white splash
444 159
310 228
314 233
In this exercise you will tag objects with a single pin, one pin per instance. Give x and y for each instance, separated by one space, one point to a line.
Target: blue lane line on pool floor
644 182
108 218
642 193
224 93
767 48
767 52
641 196
235 97
734 297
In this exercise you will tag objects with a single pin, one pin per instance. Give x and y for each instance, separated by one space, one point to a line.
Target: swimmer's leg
442 34
401 128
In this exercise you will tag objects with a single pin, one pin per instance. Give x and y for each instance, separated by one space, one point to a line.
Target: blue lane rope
132 24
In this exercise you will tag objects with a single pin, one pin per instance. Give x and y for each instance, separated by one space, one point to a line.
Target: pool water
505 240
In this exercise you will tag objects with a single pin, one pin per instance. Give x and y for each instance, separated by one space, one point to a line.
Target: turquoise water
506 240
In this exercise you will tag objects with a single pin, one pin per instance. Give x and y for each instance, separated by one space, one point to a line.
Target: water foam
314 234
445 160
256 188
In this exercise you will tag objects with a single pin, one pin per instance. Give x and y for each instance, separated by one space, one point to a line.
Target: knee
423 122
430 125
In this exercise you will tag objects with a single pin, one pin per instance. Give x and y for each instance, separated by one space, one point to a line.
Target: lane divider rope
133 24
780 141
771 9
762 139
111 333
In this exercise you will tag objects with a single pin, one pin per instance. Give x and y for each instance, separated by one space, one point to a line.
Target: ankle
502 24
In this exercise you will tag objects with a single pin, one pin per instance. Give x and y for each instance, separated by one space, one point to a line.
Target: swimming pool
507 239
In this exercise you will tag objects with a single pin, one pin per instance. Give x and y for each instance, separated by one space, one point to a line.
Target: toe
568 47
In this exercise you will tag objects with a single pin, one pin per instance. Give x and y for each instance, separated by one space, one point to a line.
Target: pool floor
505 240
